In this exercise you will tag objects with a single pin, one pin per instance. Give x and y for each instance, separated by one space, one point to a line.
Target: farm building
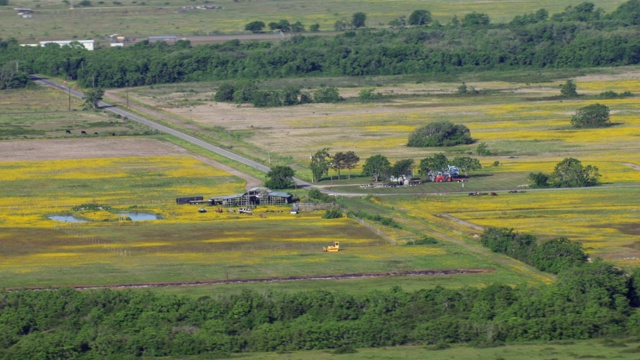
254 196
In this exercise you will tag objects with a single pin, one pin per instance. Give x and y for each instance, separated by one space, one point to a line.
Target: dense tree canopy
280 177
576 38
595 115
420 17
441 133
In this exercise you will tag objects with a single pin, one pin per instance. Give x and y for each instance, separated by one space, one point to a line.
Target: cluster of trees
358 20
379 167
568 173
417 18
282 25
588 300
248 92
552 256
322 162
580 37
440 133
590 116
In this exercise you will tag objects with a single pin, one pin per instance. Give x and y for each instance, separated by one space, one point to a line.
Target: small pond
138 216
66 218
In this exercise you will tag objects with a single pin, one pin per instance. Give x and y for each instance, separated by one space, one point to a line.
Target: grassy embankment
139 19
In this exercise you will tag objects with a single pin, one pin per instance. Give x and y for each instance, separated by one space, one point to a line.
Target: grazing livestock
83 132
95 133
113 134
494 194
68 131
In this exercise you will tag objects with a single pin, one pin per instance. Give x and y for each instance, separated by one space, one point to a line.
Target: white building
87 44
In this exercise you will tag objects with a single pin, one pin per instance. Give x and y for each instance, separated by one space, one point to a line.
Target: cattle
68 131
95 133
494 194
113 134
83 132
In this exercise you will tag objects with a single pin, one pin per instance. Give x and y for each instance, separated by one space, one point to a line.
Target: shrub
332 214
327 95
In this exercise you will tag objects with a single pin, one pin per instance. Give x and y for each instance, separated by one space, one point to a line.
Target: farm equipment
245 211
335 247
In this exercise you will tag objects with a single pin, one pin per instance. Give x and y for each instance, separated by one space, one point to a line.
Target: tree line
581 36
588 300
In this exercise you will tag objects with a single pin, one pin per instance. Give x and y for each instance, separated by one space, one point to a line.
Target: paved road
166 129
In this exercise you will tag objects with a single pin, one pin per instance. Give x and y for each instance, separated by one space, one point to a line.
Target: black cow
83 132
68 131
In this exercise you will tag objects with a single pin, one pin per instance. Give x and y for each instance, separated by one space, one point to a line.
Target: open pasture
45 113
138 19
525 128
181 245
605 220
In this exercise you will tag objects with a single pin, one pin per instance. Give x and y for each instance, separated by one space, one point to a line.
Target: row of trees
243 92
322 161
379 167
562 41
282 25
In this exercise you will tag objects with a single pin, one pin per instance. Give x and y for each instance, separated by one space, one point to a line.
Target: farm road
165 129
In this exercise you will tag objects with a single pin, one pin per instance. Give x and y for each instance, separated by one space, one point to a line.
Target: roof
279 194
228 197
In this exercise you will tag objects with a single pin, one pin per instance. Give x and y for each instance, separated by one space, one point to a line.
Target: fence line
375 230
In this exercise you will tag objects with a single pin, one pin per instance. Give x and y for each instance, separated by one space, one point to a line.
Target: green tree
466 164
420 17
376 166
255 26
282 25
314 28
401 167
4 2
569 89
433 164
441 133
225 92
358 20
297 27
350 161
92 98
320 164
369 94
475 19
398 22
280 177
570 173
595 115
539 179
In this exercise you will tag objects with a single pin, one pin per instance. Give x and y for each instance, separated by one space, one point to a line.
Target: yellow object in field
332 248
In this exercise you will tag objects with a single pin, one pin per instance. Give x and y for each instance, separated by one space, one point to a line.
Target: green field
561 350
139 19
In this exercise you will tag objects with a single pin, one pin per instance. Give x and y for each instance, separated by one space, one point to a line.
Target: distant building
87 44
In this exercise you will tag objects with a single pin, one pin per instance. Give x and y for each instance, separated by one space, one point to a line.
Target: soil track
278 279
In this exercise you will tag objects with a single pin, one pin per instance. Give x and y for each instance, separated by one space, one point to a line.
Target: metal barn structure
254 196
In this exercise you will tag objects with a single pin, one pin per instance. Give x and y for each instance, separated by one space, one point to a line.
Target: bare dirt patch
85 149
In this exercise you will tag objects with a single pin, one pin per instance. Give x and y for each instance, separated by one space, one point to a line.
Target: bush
225 92
316 194
327 95
332 214
569 89
426 240
369 94
441 133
